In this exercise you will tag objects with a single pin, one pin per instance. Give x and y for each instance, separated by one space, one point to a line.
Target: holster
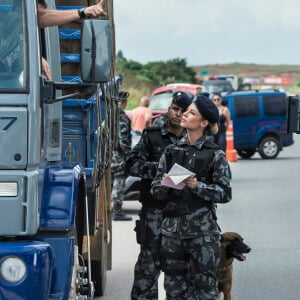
141 231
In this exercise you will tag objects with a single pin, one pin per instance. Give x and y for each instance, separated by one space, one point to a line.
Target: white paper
176 176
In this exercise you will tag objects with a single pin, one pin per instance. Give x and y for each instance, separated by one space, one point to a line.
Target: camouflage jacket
138 163
143 159
123 149
161 120
201 221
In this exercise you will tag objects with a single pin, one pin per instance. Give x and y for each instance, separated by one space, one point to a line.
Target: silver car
132 184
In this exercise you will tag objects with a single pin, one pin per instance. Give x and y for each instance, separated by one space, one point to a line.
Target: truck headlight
12 269
8 189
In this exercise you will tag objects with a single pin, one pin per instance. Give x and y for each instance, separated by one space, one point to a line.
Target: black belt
184 210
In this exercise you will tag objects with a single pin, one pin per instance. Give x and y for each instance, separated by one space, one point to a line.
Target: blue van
259 122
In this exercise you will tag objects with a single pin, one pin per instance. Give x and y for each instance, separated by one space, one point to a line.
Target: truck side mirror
96 51
293 114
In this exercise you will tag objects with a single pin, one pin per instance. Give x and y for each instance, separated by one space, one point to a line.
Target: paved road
265 210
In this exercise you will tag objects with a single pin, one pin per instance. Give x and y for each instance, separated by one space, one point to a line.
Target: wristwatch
81 13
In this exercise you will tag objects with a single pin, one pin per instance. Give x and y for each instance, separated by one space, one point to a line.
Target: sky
209 31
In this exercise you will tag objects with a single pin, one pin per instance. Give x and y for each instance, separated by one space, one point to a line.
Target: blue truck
56 142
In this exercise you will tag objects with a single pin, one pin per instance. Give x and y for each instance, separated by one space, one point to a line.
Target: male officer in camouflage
120 155
143 162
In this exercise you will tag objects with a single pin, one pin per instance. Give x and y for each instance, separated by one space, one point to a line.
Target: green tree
120 57
141 79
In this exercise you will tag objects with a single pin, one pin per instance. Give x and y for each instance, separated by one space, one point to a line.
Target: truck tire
246 153
269 147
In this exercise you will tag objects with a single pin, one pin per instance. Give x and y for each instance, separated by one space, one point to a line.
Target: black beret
181 99
207 108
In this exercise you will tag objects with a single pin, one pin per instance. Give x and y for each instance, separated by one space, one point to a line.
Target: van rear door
245 113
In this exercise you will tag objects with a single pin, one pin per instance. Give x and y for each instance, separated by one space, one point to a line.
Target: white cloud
209 31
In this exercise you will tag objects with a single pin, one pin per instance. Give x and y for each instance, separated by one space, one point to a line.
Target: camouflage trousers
148 266
118 192
189 266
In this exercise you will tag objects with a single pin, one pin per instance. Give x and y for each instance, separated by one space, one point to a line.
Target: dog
232 247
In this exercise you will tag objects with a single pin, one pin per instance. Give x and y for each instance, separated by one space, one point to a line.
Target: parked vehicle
259 122
132 188
233 79
217 86
188 87
132 184
293 114
224 84
56 141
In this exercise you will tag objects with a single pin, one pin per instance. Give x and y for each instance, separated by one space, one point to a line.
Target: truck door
13 120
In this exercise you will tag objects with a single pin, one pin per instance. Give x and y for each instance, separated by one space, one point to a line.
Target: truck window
274 105
11 44
246 107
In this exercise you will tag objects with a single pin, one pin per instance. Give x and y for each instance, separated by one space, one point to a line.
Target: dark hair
217 94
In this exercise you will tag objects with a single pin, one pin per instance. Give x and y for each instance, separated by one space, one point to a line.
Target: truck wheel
269 147
246 153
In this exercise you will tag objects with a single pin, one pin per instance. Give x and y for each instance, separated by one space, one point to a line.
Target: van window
274 105
246 107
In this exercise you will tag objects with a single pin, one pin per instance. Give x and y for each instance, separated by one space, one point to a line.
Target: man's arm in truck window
52 17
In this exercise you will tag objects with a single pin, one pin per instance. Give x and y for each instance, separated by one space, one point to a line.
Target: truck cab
56 137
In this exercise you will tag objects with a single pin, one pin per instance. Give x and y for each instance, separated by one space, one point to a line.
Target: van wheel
246 153
269 147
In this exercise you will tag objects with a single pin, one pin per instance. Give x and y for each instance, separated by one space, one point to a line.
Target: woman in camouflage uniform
190 234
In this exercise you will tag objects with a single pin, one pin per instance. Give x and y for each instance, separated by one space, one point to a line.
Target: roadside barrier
231 153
